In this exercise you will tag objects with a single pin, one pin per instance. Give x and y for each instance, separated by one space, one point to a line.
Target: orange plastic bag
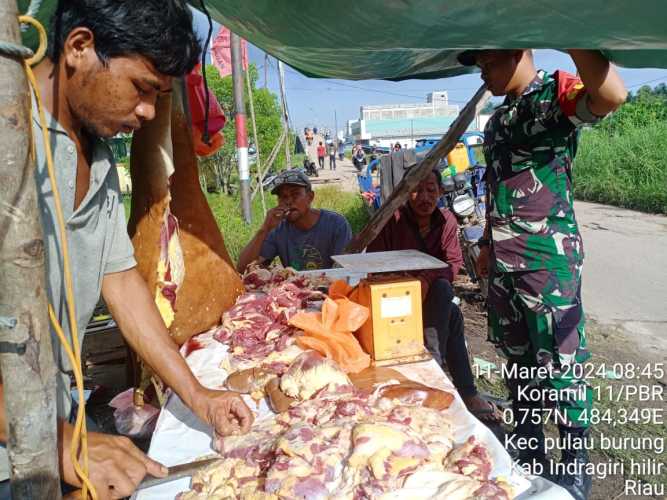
339 289
330 333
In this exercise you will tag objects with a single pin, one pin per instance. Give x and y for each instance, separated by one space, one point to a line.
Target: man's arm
451 248
604 87
133 308
253 250
114 462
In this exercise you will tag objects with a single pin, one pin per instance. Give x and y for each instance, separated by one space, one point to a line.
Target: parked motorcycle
470 213
309 168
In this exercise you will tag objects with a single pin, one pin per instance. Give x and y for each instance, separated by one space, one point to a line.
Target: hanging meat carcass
179 248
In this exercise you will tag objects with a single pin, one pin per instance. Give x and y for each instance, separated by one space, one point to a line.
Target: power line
664 77
377 91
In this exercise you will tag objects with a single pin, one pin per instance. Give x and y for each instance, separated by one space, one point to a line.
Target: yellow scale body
393 333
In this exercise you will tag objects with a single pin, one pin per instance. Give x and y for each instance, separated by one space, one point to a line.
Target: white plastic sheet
181 437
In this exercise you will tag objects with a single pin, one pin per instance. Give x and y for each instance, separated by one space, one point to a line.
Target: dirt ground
607 346
345 175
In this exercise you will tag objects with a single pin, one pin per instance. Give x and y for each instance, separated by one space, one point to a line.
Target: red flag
221 53
216 118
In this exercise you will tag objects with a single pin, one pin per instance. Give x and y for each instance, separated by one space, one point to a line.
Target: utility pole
240 123
283 99
26 355
266 71
412 133
258 164
336 127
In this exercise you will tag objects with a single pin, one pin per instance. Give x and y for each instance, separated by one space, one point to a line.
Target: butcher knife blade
176 472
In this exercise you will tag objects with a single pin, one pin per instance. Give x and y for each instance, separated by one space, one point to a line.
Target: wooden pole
420 171
240 122
26 356
283 100
269 162
254 135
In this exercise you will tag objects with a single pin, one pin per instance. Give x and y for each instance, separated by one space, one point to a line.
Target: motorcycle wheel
470 252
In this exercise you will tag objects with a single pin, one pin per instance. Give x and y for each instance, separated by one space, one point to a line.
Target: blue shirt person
303 237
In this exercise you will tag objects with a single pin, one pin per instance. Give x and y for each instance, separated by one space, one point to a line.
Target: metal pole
266 71
283 99
26 356
240 122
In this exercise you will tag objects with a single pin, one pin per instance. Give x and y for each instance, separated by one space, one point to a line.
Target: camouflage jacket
529 144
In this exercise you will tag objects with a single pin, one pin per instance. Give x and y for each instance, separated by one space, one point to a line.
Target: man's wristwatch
483 242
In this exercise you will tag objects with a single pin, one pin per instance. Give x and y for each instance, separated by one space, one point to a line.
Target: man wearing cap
532 249
303 237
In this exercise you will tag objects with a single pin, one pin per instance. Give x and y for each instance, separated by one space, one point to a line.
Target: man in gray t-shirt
303 237
104 71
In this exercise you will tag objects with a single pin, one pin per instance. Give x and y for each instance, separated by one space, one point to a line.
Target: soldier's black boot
571 470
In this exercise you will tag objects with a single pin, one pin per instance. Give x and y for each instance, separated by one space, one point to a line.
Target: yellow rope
73 350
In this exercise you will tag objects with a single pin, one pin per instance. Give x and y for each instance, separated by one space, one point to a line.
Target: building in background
385 125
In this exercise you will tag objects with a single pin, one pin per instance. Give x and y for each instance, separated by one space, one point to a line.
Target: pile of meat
329 438
349 444
256 329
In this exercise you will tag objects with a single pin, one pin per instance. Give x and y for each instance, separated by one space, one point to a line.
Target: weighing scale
393 333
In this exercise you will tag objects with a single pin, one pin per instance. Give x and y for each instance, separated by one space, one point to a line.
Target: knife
176 472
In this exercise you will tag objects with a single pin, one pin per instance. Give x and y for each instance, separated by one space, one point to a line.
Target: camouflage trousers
536 319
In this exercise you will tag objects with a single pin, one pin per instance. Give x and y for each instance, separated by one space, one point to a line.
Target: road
625 273
345 175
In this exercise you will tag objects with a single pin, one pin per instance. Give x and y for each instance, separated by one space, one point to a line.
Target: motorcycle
309 168
359 162
470 213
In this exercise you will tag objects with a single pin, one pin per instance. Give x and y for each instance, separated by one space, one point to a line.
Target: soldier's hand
482 263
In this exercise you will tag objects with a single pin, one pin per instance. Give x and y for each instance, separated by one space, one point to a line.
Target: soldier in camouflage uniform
532 243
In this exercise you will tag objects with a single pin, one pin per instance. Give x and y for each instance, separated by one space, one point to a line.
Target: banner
221 53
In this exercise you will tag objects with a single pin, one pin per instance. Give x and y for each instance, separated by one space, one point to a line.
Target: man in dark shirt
421 225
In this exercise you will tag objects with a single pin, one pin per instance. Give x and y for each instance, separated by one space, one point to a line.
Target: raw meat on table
350 444
256 328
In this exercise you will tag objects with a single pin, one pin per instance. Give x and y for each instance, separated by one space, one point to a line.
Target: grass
627 169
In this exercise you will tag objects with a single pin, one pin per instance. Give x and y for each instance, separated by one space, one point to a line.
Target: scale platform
388 262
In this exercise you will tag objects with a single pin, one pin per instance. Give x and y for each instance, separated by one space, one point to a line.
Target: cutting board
409 389
373 375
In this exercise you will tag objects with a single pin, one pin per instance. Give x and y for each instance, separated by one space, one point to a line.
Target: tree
269 127
642 109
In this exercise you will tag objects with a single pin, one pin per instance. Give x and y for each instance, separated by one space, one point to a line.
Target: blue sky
313 101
